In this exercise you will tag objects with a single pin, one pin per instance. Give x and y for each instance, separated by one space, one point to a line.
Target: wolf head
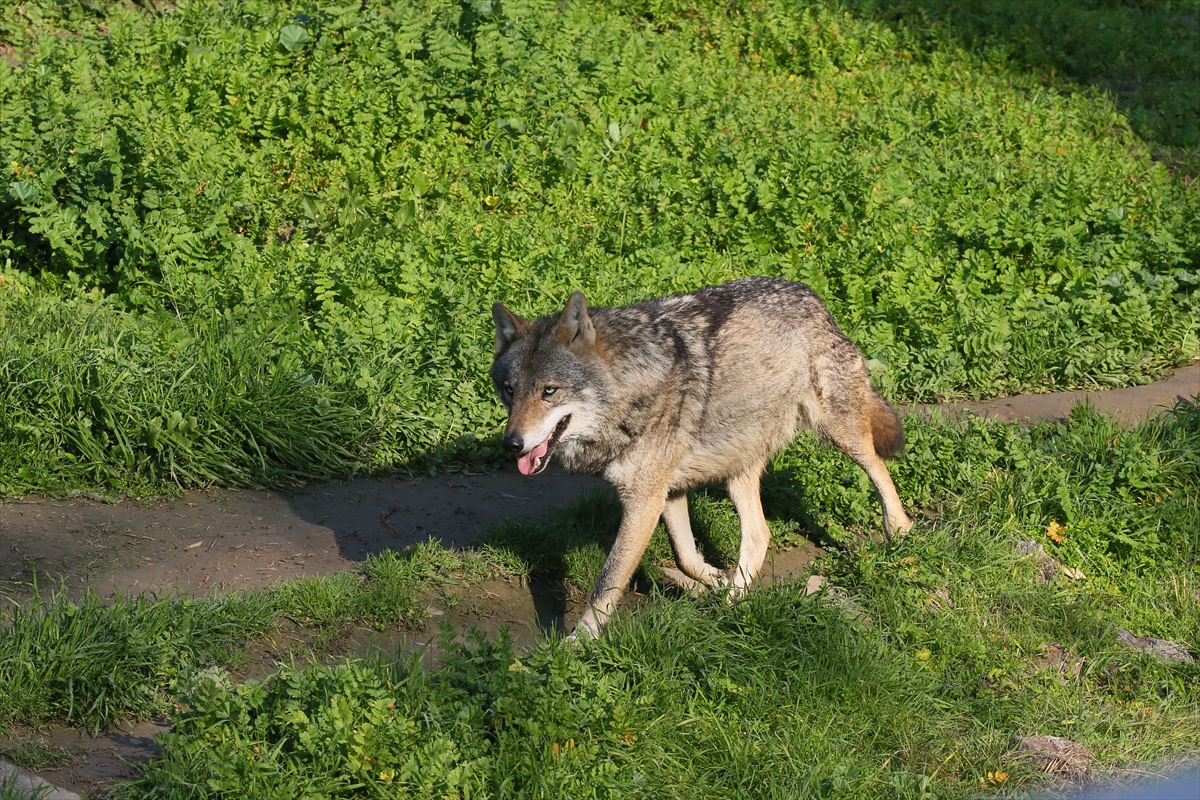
542 372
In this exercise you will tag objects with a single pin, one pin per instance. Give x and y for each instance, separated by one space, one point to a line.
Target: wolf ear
574 325
509 327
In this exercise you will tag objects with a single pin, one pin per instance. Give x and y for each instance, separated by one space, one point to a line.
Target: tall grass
92 395
91 663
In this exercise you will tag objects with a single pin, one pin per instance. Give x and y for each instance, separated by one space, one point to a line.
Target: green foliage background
250 240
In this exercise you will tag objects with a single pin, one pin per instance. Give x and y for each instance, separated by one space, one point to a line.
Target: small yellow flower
924 654
993 778
387 775
1055 532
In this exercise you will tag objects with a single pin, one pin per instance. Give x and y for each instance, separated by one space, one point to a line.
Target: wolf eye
506 390
549 391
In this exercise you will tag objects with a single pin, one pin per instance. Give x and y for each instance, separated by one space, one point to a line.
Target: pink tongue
529 462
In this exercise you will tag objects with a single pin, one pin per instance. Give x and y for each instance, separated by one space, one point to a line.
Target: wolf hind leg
697 574
856 437
747 499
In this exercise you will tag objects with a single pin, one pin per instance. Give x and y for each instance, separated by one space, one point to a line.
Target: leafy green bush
372 180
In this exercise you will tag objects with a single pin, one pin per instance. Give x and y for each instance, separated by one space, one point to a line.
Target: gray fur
668 394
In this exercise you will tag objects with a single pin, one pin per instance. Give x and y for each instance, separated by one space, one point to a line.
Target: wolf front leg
641 512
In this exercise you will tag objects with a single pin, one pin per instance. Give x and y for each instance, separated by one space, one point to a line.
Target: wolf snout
513 443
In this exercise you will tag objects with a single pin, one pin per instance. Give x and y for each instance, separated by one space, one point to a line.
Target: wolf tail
886 430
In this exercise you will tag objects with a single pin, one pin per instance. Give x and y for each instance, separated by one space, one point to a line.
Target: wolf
668 394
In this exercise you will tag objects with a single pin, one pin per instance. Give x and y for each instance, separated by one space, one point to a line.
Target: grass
10 789
233 255
91 662
911 684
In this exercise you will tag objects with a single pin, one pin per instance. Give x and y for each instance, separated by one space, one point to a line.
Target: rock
1162 648
838 597
1054 754
22 785
1028 547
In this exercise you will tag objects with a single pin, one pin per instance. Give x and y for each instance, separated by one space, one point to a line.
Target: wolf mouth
538 458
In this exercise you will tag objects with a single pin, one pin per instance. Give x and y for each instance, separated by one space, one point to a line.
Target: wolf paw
677 579
585 629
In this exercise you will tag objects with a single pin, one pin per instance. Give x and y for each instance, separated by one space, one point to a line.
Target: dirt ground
222 540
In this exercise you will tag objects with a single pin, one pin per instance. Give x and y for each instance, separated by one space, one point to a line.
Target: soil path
1128 406
222 540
